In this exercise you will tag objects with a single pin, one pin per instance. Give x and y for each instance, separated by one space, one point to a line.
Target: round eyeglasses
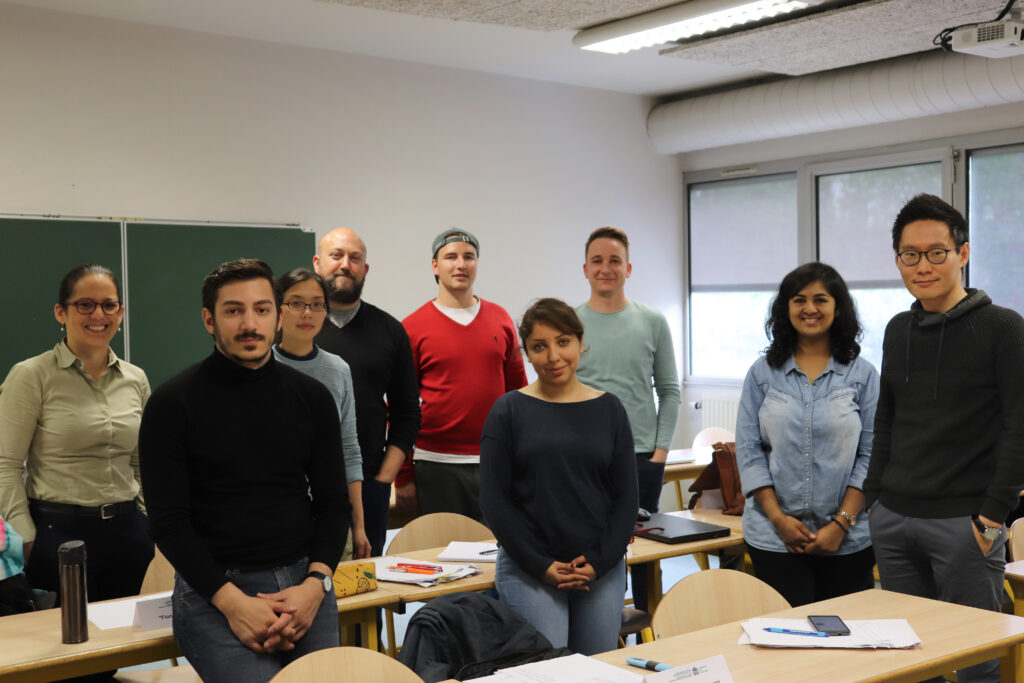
301 306
911 257
87 306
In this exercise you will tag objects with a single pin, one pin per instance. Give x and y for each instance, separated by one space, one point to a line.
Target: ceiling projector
992 39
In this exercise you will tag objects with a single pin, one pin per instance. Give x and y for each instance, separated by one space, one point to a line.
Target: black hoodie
949 429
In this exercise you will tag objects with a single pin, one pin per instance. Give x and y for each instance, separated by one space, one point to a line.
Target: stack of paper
570 669
867 633
447 572
463 551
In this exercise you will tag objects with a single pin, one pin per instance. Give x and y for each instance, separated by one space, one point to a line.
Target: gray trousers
940 559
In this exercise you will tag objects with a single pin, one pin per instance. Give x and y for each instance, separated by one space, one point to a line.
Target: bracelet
851 520
845 530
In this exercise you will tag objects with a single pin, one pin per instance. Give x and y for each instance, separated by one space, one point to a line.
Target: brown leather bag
723 473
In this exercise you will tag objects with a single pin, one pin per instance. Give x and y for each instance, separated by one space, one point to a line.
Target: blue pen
794 632
648 664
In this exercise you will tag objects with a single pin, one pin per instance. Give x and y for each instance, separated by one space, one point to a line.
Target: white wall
100 117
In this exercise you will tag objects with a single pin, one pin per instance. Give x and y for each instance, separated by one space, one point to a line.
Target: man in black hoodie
947 464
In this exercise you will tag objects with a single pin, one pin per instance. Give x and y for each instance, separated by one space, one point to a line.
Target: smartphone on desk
830 624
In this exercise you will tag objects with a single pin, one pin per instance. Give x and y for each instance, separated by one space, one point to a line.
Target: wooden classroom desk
646 550
408 592
1015 575
687 470
30 647
952 636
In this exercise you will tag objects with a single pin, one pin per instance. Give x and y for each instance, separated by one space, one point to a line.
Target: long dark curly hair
845 330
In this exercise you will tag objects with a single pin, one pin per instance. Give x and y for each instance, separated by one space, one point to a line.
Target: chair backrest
437 529
345 664
712 597
159 576
709 436
1017 540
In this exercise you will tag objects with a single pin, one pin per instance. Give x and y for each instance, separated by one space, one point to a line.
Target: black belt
102 511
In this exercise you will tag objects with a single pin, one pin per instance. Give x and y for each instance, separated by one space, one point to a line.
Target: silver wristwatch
325 581
989 533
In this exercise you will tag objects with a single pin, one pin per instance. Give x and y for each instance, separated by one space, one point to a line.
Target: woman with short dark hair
558 489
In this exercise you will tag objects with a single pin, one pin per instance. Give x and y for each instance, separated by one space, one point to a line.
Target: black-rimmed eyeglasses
87 306
912 257
301 306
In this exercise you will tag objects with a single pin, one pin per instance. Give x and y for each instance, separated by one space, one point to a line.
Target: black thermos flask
74 619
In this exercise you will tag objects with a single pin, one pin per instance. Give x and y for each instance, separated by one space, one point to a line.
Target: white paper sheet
572 669
449 572
464 551
865 633
710 670
117 613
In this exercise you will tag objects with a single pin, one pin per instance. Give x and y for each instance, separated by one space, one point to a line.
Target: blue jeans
586 622
209 644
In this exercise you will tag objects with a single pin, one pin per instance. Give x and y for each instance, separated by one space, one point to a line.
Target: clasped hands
575 575
799 539
270 622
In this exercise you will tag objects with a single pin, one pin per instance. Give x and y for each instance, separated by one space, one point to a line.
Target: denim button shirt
810 441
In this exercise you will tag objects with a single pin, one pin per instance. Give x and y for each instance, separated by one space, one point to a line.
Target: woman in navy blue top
803 440
558 489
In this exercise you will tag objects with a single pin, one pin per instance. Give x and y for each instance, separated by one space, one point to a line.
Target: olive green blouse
67 438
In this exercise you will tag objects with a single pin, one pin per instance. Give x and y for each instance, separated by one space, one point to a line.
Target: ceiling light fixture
679 22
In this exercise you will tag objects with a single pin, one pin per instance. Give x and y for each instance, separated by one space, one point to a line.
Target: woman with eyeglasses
803 441
303 314
69 420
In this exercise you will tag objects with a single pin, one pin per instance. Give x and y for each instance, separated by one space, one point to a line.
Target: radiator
719 410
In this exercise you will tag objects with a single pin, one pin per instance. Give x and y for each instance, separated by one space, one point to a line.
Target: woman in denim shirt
803 440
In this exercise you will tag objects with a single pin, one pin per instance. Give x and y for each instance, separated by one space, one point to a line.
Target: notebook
671 529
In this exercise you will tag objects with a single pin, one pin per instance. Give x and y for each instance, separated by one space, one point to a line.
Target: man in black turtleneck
947 463
245 490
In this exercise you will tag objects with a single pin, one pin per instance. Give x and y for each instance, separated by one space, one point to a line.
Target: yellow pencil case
350 578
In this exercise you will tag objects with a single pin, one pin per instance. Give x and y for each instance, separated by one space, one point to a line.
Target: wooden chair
345 664
431 531
159 578
1016 540
709 598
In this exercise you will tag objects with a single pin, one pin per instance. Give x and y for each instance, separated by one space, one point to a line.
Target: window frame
952 152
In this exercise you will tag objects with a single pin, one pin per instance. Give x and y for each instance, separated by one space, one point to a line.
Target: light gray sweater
333 372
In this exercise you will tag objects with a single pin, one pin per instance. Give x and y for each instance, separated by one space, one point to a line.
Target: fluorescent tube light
680 21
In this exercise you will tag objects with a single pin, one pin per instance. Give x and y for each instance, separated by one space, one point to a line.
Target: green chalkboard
35 254
166 267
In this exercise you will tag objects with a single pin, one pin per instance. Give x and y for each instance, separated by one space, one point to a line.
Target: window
995 216
855 215
743 239
746 233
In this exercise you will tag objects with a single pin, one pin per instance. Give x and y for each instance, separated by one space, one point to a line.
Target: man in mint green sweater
629 346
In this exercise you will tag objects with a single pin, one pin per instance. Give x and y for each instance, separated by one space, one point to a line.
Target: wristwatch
325 581
989 533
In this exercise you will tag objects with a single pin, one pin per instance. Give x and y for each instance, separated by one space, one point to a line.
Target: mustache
249 336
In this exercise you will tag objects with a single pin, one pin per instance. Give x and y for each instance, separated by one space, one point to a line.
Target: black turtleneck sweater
949 429
241 469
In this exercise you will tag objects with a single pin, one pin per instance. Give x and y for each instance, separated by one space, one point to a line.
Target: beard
347 295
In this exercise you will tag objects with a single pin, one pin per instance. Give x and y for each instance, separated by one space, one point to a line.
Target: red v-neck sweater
462 370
